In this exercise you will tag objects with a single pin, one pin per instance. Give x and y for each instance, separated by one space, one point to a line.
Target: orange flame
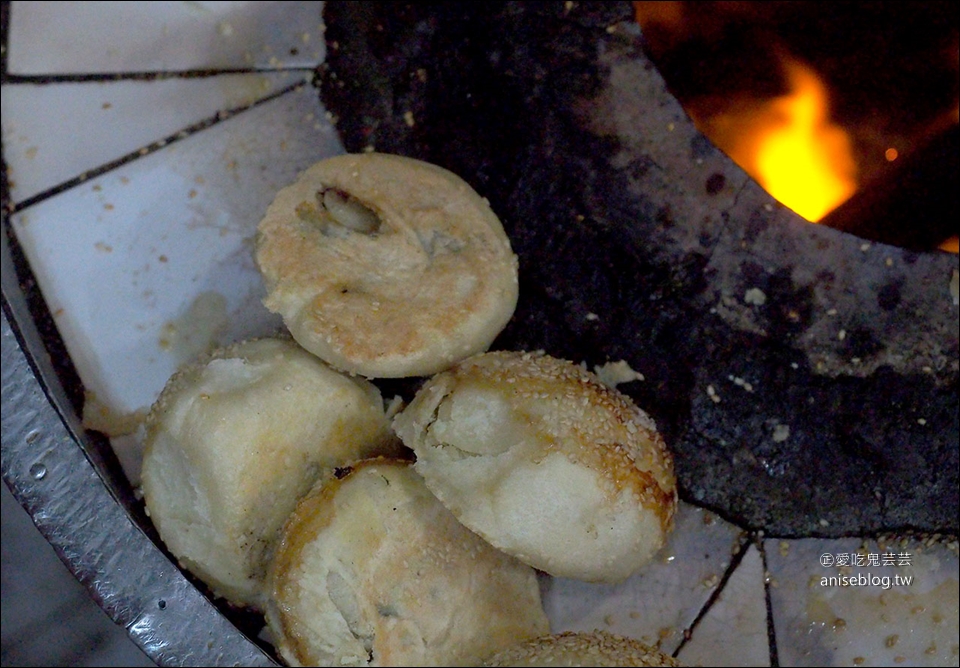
789 145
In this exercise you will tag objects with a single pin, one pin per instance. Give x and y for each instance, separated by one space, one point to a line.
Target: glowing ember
726 61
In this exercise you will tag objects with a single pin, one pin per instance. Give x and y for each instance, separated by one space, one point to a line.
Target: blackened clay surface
806 380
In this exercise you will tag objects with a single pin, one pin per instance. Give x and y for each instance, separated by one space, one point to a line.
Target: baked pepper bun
386 266
536 455
372 570
235 440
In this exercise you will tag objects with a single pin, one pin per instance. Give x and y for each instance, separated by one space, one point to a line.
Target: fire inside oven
845 112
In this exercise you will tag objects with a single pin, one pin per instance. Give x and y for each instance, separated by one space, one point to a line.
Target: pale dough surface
373 570
235 440
386 266
540 458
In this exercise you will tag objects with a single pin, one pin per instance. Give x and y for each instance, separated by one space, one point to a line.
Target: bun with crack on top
536 455
386 266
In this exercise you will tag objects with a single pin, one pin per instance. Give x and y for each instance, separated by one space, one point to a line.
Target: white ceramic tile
877 620
55 132
128 262
98 37
733 632
661 600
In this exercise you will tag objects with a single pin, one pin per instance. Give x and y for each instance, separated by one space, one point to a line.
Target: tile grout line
106 77
771 627
736 559
4 40
16 207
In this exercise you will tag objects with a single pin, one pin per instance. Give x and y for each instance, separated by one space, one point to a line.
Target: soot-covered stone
806 381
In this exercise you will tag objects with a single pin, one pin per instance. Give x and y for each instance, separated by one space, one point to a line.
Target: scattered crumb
755 296
842 334
394 406
612 374
781 433
712 393
592 317
768 207
408 118
864 247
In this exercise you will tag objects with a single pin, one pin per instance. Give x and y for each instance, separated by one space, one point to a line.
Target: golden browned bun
373 570
386 266
581 649
545 462
234 441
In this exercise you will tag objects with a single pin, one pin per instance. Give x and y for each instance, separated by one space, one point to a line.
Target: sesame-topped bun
386 266
598 648
540 458
373 570
235 440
